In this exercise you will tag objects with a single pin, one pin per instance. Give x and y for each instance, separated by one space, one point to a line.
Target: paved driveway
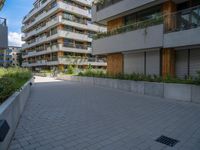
62 115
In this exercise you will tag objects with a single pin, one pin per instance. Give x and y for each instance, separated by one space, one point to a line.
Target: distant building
10 56
5 57
15 55
58 33
3 39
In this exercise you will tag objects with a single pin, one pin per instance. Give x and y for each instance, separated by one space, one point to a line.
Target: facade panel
194 61
134 63
181 64
153 63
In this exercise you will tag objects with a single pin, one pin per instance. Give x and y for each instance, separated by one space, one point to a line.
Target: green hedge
141 77
12 79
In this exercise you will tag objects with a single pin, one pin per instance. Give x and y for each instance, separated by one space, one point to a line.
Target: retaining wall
183 92
11 111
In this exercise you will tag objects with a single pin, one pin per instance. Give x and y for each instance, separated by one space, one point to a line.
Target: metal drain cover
167 141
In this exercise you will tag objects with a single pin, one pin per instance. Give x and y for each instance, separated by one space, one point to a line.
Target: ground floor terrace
66 115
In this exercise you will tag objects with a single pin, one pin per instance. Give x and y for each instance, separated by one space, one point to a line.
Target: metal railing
131 27
183 20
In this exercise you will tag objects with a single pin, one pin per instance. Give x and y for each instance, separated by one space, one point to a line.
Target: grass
11 80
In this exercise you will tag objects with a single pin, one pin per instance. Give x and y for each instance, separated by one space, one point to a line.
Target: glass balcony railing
183 20
138 25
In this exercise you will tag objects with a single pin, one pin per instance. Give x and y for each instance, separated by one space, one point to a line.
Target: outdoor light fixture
4 128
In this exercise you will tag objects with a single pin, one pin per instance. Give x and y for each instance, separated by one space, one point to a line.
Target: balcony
131 37
35 10
3 34
76 48
67 61
50 23
185 30
39 18
115 8
82 61
60 5
60 19
60 33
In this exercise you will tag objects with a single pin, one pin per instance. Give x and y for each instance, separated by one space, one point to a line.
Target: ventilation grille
167 141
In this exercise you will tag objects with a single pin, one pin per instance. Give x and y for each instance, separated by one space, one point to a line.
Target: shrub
141 77
70 69
12 79
7 87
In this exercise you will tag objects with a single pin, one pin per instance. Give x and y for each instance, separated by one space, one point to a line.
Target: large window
143 15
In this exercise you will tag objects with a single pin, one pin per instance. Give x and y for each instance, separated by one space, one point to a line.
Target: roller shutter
153 62
181 65
194 61
134 63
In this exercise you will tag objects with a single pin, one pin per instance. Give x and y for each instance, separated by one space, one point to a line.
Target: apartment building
58 33
15 53
5 57
3 38
156 37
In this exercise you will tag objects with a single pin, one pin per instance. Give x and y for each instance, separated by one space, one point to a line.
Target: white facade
57 28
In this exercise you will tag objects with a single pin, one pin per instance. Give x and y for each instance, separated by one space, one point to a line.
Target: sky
14 11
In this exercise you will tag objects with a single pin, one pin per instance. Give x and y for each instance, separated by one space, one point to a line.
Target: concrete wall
182 38
130 41
3 36
118 8
181 92
11 111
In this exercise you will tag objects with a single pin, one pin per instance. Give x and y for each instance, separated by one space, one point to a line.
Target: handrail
130 27
180 22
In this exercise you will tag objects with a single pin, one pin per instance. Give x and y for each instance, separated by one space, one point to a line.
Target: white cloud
14 39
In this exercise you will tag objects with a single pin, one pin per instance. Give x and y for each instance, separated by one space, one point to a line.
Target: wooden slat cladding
168 8
116 23
168 62
115 63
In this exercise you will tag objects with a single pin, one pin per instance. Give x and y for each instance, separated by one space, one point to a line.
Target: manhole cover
167 141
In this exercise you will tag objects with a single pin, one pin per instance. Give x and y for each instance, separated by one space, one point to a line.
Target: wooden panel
113 24
115 64
168 8
168 62
60 54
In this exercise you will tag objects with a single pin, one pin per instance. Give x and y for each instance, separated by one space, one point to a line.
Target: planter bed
182 92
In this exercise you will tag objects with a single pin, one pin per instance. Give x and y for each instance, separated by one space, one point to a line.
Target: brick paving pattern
64 115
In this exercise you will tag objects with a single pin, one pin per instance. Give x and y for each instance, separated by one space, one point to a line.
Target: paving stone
72 116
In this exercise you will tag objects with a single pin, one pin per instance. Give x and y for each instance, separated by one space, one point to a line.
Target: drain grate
167 141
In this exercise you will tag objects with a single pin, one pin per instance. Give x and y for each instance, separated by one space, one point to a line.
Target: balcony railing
78 46
101 4
131 27
183 20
